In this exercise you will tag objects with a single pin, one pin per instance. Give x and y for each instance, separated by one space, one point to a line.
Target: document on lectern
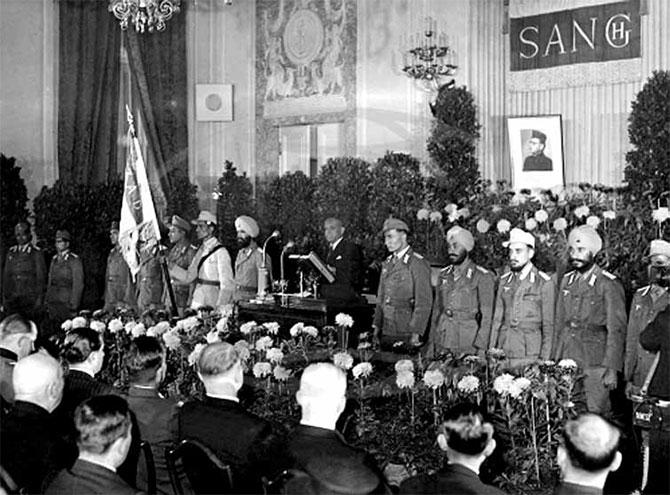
321 266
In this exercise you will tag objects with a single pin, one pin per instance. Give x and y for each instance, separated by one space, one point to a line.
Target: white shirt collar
334 244
223 396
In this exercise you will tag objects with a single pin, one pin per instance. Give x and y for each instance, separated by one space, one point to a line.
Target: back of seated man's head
322 393
83 346
465 433
18 334
591 443
145 361
219 365
103 428
38 379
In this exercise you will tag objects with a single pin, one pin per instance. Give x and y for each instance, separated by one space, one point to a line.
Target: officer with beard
249 259
463 306
591 319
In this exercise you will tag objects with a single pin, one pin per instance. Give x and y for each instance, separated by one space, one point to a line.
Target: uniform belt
246 288
459 313
214 283
390 301
585 326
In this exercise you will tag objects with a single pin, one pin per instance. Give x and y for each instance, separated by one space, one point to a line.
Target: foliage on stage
648 169
235 196
181 196
13 200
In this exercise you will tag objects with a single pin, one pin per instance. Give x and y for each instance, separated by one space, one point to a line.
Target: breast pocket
464 298
596 310
532 307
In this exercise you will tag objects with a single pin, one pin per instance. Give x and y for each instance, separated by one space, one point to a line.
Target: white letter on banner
576 27
526 41
618 31
558 41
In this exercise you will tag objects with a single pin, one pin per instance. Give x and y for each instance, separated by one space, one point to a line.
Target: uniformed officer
648 301
463 307
210 269
66 280
523 320
591 319
405 295
119 285
180 254
150 284
249 259
24 275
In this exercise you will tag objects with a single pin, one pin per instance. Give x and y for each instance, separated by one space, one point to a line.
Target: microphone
289 245
274 235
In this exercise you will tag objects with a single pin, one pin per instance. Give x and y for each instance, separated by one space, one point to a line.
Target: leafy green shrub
13 200
235 198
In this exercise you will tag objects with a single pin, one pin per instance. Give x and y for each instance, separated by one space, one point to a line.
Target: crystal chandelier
145 15
430 61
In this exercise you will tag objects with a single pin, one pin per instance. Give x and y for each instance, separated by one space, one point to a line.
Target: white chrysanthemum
593 221
66 325
195 354
518 386
422 214
582 211
264 343
531 224
482 226
310 330
560 224
435 216
242 347
404 365
248 327
222 324
609 215
502 383
98 326
161 327
213 336
468 384
129 326
362 370
280 373
451 209
343 360
296 329
274 355
344 320
503 226
463 213
115 325
151 332
79 322
190 323
138 330
364 345
541 216
433 378
172 339
567 364
261 370
405 379
272 327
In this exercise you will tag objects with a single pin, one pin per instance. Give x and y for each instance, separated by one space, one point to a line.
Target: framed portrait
536 151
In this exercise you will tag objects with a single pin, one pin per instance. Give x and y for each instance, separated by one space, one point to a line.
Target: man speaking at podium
345 261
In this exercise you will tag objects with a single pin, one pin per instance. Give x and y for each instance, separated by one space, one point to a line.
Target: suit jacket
336 466
30 447
656 338
80 386
347 260
236 436
539 162
564 488
86 477
454 478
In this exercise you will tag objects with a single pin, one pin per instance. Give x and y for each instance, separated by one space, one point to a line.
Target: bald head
38 379
322 395
591 442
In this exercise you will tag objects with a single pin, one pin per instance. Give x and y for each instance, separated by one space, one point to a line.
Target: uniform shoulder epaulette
74 255
13 249
36 248
544 276
481 269
418 255
642 289
54 257
609 275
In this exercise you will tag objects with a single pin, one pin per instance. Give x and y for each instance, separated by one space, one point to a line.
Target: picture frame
536 151
214 102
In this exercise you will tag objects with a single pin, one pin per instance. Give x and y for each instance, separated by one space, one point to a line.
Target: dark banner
588 34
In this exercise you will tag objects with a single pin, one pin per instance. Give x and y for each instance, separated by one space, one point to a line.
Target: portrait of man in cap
537 160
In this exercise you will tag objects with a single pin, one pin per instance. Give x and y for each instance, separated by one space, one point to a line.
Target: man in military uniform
181 254
210 269
66 280
537 160
24 275
119 286
405 295
523 321
648 301
591 319
463 307
249 259
149 277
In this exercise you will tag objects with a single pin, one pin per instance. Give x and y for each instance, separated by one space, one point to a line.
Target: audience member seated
17 339
30 448
466 441
587 455
318 449
155 415
103 436
237 436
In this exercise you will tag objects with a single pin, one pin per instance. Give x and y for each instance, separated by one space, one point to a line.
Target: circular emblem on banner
303 37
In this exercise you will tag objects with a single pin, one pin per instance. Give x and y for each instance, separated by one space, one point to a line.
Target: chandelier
145 15
430 61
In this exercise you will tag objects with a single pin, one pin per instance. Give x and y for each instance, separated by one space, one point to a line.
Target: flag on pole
138 215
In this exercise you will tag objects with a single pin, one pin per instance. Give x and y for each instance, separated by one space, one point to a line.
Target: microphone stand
283 282
263 270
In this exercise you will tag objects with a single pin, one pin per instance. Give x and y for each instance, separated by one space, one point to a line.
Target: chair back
149 467
206 473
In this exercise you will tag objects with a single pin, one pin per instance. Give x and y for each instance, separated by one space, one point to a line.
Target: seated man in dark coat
17 340
103 437
237 436
318 449
466 440
30 448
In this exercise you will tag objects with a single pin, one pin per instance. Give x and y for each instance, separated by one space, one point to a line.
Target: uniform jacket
149 282
247 263
181 254
647 303
656 338
93 479
463 309
24 277
454 478
347 260
523 321
404 297
66 284
119 286
591 319
214 284
539 162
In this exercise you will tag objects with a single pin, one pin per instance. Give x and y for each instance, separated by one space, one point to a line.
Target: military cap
461 236
517 235
205 217
659 252
179 222
585 236
114 226
539 135
247 224
394 223
62 235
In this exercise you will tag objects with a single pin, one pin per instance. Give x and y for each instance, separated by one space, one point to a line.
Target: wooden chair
205 471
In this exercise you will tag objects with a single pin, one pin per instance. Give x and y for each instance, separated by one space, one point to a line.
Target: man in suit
523 321
405 296
66 280
181 254
591 319
237 436
119 285
17 340
30 448
249 259
588 453
103 436
467 441
155 415
463 307
537 160
345 261
317 448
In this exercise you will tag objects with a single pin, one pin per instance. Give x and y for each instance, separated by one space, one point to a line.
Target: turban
585 236
247 224
461 236
520 236
205 217
660 251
